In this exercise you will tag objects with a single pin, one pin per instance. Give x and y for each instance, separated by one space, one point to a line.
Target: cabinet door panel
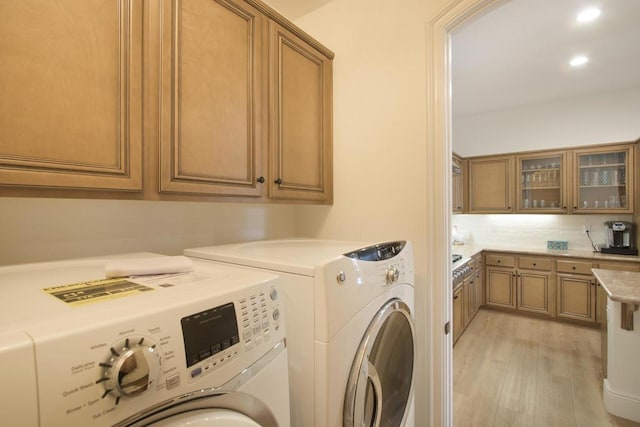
458 313
490 185
604 179
534 293
300 85
70 110
576 298
500 288
211 104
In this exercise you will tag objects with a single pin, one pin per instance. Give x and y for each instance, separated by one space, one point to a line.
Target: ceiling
294 9
518 53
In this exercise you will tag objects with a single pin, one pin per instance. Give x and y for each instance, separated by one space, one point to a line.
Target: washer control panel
108 367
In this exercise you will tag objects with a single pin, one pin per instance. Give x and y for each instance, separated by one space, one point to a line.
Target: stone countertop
467 251
621 286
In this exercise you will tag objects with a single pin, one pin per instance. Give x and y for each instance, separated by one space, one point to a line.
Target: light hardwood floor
511 370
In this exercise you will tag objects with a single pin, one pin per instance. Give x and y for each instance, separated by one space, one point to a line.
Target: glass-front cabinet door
542 183
603 180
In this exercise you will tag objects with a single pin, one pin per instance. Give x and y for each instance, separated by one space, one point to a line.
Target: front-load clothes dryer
198 348
350 333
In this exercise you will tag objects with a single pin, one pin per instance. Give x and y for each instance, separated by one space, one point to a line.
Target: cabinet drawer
577 267
500 260
533 263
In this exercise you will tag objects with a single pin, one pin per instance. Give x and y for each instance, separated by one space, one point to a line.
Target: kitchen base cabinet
576 294
500 286
466 301
458 313
478 271
536 285
520 282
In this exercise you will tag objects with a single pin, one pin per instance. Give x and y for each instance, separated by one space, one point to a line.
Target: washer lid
296 256
207 417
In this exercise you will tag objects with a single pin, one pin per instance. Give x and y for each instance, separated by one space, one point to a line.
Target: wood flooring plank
517 371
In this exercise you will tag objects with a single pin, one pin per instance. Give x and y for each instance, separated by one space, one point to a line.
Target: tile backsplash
532 231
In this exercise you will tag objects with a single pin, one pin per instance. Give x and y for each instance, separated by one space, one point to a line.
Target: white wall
380 137
586 120
47 229
532 231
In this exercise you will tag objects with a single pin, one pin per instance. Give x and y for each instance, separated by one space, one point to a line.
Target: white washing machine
200 348
350 332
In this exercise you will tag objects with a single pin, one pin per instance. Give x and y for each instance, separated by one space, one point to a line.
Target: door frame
439 184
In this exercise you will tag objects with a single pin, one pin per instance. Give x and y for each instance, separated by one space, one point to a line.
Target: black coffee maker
621 238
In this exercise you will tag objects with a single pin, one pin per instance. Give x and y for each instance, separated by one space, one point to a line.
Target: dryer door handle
373 376
368 376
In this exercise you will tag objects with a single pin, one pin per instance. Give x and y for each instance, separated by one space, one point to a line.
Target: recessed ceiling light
588 15
579 60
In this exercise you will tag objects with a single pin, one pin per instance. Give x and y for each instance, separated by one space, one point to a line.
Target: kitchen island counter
621 286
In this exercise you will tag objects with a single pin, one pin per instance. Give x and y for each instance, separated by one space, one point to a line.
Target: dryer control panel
99 368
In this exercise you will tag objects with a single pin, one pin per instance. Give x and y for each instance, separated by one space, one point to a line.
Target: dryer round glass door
207 418
380 383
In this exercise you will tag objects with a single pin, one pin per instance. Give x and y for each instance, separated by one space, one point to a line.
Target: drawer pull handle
534 264
574 267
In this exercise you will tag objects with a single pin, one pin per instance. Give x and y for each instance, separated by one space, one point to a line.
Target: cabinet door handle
278 181
260 180
456 297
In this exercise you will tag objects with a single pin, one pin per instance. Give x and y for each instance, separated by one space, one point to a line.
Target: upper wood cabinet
71 103
491 184
598 179
457 185
212 109
542 183
300 88
604 179
237 101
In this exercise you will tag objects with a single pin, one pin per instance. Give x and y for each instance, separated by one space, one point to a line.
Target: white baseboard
620 405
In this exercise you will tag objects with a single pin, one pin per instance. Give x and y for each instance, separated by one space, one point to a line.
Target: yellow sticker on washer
95 291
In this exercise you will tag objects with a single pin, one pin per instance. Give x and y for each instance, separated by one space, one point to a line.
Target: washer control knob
131 370
276 314
392 275
273 294
341 278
